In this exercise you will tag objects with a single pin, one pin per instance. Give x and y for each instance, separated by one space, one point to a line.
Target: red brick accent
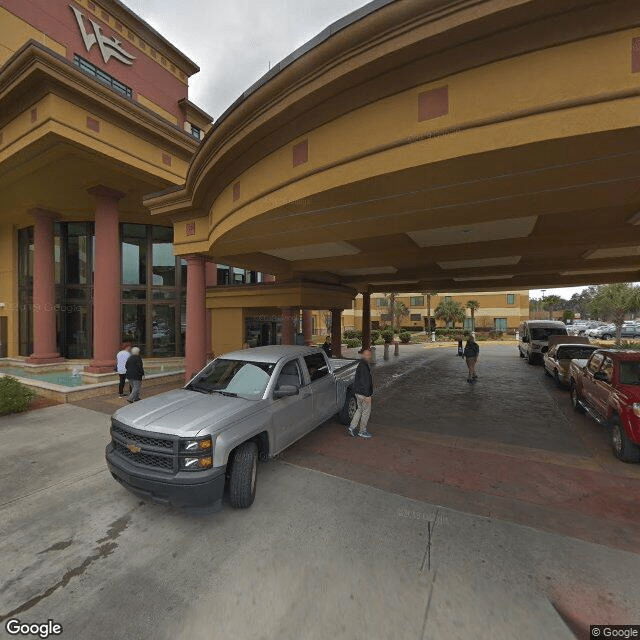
166 159
433 103
236 191
300 153
92 7
635 55
190 229
105 16
93 124
34 114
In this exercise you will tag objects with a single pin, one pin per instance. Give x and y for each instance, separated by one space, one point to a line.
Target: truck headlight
196 464
636 409
196 444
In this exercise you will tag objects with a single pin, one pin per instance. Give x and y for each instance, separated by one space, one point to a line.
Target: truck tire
520 353
243 476
531 359
623 448
575 398
348 408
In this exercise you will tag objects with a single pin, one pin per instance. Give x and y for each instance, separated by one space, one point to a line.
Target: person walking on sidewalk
135 373
471 352
121 361
363 388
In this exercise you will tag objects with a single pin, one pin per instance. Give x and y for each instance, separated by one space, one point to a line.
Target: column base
44 358
96 366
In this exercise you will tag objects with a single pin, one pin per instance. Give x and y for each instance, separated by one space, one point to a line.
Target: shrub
450 334
14 396
387 336
375 336
353 343
405 337
351 334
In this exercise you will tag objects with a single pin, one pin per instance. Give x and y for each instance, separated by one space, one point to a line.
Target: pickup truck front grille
144 449
150 460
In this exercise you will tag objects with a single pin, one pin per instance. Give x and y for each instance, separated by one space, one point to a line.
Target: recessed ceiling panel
613 252
315 251
480 262
366 271
587 272
476 232
467 278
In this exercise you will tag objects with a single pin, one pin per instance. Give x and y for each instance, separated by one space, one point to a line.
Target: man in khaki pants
363 388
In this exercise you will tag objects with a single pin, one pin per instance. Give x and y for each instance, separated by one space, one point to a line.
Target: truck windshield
233 378
630 372
543 333
578 352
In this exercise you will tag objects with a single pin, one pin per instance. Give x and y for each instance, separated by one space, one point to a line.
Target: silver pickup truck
185 446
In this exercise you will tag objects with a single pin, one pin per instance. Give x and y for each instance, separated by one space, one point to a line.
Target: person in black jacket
471 352
363 389
135 373
327 348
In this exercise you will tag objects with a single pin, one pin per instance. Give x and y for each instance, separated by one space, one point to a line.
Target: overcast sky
233 41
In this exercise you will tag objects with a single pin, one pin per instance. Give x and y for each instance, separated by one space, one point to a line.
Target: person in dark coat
135 373
363 389
471 353
327 348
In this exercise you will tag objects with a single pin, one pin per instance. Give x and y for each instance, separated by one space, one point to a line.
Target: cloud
234 41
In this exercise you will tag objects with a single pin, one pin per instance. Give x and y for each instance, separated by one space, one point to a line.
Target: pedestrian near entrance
121 361
327 348
471 353
135 373
363 389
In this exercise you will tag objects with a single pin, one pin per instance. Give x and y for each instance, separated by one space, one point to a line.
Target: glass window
163 325
224 275
382 302
134 325
578 352
543 333
595 362
468 324
316 366
607 367
134 254
163 260
290 375
77 255
415 317
102 76
196 132
630 372
500 324
233 378
417 301
25 242
511 298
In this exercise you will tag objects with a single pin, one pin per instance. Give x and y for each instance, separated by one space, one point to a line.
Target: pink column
195 348
287 326
106 281
44 291
307 326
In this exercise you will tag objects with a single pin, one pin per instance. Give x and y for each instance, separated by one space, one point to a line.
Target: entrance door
4 336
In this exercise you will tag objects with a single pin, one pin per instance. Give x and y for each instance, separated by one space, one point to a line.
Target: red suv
607 386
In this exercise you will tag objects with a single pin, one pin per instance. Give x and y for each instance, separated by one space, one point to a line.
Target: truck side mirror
525 338
285 391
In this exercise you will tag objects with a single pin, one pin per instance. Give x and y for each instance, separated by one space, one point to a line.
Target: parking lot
486 510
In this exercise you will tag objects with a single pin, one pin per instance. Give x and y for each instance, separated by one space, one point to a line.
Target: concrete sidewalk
315 557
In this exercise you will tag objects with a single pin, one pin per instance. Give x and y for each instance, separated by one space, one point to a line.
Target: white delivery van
534 338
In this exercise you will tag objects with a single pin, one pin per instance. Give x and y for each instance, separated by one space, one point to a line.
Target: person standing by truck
121 360
363 388
471 353
135 373
327 348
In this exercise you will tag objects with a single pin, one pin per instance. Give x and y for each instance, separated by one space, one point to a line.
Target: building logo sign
109 47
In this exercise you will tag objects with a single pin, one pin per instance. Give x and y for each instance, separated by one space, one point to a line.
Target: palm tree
614 301
392 309
551 304
428 295
450 312
401 311
472 305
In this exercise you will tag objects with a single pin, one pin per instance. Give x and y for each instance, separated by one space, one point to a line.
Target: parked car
562 350
183 447
604 332
629 331
534 338
607 386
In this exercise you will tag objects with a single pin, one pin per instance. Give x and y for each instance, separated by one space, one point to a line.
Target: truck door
323 386
602 388
292 415
588 383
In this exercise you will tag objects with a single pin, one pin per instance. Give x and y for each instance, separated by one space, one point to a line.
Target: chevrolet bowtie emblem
109 47
134 448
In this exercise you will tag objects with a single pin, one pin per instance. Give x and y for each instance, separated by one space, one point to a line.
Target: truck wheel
349 407
520 353
531 359
623 448
575 398
556 377
244 471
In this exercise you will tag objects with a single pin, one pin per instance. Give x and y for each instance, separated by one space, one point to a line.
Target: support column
366 320
307 326
195 348
44 291
106 281
288 316
336 332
